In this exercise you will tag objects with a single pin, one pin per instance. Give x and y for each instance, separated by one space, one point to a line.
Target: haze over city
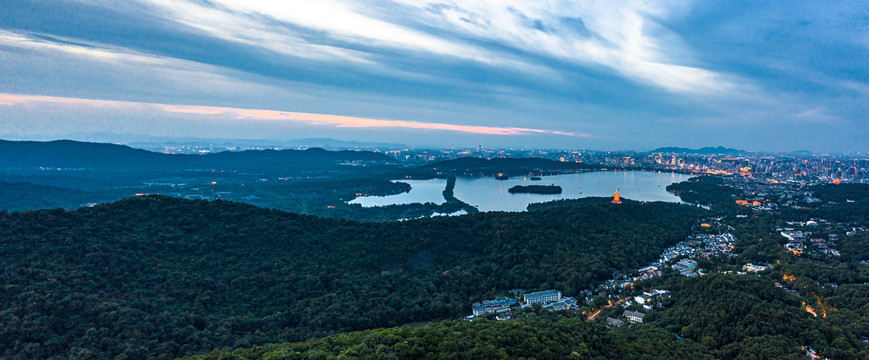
771 76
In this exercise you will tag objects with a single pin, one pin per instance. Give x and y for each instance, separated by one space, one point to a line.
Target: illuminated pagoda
616 199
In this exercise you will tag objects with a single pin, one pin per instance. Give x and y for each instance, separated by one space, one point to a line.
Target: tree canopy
161 277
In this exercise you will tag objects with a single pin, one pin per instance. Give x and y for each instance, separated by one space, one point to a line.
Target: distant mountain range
326 143
149 142
330 143
705 150
75 154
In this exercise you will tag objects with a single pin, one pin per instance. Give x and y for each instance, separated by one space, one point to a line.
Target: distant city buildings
754 170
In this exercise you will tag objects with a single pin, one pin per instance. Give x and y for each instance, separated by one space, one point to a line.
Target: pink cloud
273 115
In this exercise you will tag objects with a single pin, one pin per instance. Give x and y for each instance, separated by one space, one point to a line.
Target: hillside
841 193
159 277
704 190
17 196
47 175
534 338
83 155
734 317
728 313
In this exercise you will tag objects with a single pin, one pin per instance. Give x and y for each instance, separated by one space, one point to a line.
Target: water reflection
488 194
421 191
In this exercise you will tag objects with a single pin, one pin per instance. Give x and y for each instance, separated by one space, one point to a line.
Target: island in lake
535 189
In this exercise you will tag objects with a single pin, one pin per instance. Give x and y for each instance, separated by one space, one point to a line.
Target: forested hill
75 154
21 196
730 316
553 337
159 277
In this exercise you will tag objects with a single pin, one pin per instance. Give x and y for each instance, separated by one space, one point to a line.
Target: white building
634 316
753 268
564 304
542 297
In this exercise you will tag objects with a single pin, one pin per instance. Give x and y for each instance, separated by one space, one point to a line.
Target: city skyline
780 76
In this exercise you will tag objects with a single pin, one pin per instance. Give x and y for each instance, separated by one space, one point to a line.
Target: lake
488 194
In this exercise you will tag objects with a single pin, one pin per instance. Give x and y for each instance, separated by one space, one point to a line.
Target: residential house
634 316
614 322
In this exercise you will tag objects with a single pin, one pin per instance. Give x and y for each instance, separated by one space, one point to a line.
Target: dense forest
841 192
16 196
549 337
704 190
748 317
730 316
161 277
842 203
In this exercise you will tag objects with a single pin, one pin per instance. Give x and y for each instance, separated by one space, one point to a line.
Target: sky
631 75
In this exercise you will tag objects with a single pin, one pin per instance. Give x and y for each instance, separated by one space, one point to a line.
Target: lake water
421 191
489 194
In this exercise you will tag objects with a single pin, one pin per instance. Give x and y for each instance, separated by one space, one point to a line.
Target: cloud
70 48
42 50
223 113
244 28
545 39
815 115
623 38
637 70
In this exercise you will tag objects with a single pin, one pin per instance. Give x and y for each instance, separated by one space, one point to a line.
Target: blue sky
772 76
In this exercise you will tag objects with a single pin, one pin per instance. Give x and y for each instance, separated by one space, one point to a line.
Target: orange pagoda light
616 199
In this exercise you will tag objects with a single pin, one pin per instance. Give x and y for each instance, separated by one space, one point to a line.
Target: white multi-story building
542 297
